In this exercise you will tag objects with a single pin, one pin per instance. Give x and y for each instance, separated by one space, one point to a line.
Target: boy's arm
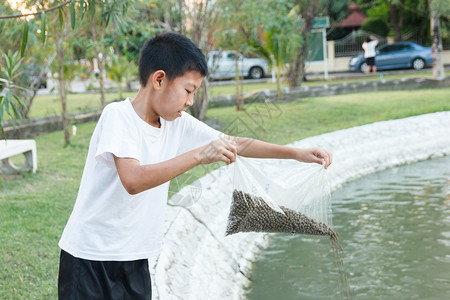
248 147
137 178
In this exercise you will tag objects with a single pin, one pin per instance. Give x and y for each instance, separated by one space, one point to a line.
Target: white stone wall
199 262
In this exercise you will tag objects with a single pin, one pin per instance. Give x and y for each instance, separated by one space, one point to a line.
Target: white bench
9 148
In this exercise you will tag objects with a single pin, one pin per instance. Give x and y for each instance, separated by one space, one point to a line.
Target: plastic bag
280 196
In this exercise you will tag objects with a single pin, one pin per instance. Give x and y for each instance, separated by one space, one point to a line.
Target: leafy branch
10 99
36 13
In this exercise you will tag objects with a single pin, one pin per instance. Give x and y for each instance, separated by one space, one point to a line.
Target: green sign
321 22
316 42
315 52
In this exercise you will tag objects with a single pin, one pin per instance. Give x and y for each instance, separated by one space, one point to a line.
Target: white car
221 65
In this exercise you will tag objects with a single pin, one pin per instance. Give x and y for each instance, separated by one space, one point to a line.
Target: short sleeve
196 134
115 136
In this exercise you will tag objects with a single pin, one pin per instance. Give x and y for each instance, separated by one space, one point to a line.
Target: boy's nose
190 101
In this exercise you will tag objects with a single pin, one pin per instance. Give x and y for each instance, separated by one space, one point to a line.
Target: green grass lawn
44 105
50 104
34 208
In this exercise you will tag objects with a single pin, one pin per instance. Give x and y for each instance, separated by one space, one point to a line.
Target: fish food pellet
249 213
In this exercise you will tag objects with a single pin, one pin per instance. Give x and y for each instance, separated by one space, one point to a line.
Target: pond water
394 227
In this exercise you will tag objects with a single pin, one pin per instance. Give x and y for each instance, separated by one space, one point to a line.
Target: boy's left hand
315 155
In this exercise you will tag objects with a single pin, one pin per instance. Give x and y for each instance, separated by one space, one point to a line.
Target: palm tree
120 70
277 47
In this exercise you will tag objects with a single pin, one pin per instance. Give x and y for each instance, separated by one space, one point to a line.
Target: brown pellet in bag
249 213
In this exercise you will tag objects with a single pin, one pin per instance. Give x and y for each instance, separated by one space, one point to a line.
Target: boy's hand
315 155
223 149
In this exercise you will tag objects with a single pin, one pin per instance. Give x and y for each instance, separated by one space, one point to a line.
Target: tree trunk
181 10
200 106
199 11
438 64
279 93
238 81
198 18
62 87
34 86
99 55
297 69
101 67
396 14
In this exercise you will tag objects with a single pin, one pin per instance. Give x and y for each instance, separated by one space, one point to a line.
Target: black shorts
81 279
370 61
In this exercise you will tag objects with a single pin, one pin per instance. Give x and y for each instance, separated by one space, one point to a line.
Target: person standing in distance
369 53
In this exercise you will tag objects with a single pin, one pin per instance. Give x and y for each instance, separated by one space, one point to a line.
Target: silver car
221 65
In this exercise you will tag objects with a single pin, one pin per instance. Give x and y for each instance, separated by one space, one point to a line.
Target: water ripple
394 227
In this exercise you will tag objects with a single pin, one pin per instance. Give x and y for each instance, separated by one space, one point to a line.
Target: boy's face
177 94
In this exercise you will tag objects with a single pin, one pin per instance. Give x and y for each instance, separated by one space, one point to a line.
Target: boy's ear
157 79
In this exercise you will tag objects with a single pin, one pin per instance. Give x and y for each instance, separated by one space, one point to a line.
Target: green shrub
376 26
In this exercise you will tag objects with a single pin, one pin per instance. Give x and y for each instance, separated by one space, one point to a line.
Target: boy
137 147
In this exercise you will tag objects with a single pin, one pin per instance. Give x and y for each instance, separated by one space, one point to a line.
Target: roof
355 19
353 6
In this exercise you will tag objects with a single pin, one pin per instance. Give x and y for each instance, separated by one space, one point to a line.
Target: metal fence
417 37
351 45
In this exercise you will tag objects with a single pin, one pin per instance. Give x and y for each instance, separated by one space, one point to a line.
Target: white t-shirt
369 48
107 223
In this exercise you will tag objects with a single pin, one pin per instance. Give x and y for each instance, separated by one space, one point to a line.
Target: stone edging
32 127
337 89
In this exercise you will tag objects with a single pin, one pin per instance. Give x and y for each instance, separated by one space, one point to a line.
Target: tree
231 35
376 26
396 14
308 11
34 67
79 10
64 68
416 22
239 22
408 17
42 13
202 18
167 14
120 70
280 40
10 93
101 13
436 8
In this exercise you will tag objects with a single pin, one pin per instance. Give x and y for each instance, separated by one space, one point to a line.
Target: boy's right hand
223 149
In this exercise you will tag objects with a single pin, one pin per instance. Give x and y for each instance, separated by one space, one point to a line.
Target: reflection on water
394 227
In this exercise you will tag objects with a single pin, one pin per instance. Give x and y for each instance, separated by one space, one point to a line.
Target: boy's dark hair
173 53
368 39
